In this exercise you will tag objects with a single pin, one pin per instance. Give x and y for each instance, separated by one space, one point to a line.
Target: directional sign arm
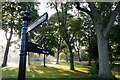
37 22
31 47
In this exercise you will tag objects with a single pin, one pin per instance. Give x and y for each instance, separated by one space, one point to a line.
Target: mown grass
36 71
52 71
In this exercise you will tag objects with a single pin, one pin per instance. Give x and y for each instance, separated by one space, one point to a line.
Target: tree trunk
89 60
71 57
7 49
6 54
58 52
44 61
104 67
28 58
66 57
89 51
79 56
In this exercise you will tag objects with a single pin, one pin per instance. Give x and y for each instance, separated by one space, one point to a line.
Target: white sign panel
37 22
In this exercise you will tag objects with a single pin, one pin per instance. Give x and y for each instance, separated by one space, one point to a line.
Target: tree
57 34
44 36
62 19
8 21
77 45
86 34
11 13
68 27
103 16
66 51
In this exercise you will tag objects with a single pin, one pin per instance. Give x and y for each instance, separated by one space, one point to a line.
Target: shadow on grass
45 73
52 72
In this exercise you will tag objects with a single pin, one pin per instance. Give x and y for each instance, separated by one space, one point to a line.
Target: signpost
22 64
28 46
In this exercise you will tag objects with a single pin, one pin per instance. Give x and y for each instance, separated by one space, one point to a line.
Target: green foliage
105 9
114 43
12 13
94 69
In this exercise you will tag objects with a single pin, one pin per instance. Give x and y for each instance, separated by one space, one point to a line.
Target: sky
43 8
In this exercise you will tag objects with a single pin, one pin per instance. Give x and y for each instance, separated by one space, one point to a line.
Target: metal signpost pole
23 52
27 46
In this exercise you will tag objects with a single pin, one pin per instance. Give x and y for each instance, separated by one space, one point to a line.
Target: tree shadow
52 72
36 72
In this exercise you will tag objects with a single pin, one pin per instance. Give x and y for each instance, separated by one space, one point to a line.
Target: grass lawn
52 71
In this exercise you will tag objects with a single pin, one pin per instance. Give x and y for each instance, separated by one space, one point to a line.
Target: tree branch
112 18
92 6
72 38
93 9
56 5
93 13
82 9
6 35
